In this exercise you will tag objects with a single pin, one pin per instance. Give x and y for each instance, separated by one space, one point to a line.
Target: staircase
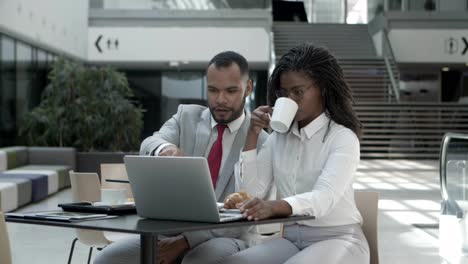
345 41
368 80
391 130
411 130
352 45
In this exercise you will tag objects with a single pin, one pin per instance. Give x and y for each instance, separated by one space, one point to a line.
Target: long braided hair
322 68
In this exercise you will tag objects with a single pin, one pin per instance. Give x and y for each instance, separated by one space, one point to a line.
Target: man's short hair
227 58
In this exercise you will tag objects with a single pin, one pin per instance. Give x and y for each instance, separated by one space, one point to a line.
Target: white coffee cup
284 112
113 196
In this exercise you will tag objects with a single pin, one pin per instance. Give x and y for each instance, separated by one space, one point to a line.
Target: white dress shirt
228 138
312 169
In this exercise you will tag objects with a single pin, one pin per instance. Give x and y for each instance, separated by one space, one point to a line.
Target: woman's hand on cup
260 119
234 200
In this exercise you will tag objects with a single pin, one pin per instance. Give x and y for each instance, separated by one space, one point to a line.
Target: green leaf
88 108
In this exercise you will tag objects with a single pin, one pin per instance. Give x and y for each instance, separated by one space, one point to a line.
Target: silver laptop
174 188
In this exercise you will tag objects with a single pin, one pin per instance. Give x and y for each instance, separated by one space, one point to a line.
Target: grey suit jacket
190 130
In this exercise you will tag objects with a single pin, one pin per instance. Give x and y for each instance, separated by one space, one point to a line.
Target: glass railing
453 219
424 5
391 66
454 173
179 4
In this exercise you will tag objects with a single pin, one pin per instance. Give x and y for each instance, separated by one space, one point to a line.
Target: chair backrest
5 254
367 204
115 171
86 187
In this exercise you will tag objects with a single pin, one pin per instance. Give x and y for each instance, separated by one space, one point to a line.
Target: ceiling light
445 69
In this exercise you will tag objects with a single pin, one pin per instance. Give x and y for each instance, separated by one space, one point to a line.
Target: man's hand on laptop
171 248
234 200
171 150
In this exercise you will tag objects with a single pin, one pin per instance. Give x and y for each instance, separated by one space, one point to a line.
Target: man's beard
233 117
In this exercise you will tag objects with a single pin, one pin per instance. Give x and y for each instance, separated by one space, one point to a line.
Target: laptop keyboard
224 216
227 215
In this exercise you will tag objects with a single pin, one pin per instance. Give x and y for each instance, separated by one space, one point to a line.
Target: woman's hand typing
258 209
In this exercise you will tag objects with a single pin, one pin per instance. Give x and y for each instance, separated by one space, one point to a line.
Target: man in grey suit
218 133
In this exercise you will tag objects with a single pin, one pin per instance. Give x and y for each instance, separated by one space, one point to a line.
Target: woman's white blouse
312 170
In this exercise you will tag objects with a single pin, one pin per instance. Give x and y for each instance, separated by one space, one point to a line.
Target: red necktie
216 154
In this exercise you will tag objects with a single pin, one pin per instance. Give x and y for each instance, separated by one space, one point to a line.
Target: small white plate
108 204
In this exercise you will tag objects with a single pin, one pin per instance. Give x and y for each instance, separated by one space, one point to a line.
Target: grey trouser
212 251
304 244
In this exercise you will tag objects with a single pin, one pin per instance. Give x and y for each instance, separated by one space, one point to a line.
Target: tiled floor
408 214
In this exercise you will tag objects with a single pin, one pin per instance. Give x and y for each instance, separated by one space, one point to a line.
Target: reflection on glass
7 91
457 172
8 51
23 79
23 54
181 88
146 86
327 11
41 58
394 5
422 5
357 12
160 93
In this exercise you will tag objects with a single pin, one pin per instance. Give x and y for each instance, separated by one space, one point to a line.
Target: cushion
16 156
39 183
8 196
52 177
24 189
61 170
52 156
3 161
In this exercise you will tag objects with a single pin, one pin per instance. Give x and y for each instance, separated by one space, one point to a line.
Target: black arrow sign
466 45
97 43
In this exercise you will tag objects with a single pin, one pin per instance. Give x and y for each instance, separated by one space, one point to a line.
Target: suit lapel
228 168
203 134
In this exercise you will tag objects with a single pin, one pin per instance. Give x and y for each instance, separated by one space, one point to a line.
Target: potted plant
88 108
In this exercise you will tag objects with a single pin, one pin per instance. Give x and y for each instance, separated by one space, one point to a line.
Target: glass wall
418 5
336 11
23 77
7 91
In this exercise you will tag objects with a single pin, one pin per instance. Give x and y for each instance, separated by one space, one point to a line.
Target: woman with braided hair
312 166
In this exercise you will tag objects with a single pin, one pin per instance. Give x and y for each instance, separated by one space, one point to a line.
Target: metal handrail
387 45
394 85
449 206
272 64
389 57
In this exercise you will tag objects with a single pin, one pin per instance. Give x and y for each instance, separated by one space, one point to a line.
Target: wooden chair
367 204
86 187
5 254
